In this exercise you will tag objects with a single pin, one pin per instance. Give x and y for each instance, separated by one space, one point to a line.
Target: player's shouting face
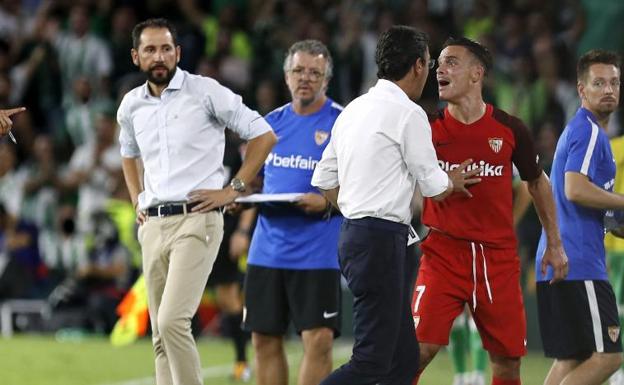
459 72
600 88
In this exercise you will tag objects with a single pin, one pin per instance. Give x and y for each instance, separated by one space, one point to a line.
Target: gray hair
314 48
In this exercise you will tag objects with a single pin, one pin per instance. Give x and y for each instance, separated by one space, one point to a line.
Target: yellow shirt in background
614 244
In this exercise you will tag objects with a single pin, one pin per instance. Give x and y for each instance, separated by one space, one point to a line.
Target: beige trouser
178 254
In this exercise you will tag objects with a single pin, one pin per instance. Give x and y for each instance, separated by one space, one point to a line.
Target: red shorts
446 283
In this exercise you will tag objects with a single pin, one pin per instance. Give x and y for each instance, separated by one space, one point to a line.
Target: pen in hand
6 123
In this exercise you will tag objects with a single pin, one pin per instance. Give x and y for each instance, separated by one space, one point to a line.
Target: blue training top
584 148
285 237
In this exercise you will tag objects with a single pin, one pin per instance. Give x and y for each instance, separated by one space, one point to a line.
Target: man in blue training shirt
578 317
292 271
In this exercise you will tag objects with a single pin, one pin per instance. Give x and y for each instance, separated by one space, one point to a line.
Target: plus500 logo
488 169
292 161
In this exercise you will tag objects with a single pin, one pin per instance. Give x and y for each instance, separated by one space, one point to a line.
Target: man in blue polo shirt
293 272
578 317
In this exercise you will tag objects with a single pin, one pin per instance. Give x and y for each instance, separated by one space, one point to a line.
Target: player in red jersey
470 254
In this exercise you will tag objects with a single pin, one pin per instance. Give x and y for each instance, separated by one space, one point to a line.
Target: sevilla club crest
496 144
614 332
320 136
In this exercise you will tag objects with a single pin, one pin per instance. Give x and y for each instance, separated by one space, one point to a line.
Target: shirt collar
174 84
392 87
588 114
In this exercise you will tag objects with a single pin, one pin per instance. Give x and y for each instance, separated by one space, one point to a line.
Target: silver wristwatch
237 185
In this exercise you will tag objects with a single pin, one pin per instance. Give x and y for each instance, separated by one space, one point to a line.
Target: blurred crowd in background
67 231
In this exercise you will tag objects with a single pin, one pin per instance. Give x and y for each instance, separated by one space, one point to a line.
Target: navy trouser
374 260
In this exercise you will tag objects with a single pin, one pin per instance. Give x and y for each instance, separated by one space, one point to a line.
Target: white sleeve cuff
257 127
434 184
324 179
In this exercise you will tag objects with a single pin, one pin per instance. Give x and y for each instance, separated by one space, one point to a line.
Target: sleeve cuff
257 127
436 183
324 180
129 152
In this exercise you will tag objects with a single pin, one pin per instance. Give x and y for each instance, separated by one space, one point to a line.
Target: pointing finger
13 111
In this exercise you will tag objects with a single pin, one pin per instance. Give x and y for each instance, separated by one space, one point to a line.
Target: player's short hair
595 56
153 23
398 49
314 48
478 50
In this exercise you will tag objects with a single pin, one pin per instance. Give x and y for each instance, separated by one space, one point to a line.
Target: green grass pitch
41 360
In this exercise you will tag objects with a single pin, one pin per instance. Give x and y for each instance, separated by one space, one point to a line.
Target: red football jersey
493 143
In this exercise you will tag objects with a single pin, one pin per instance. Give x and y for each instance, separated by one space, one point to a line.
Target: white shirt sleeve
127 141
420 156
229 109
325 175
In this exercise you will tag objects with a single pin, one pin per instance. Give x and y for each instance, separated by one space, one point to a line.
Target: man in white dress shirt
174 124
379 150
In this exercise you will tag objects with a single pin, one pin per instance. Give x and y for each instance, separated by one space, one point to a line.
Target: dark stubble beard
158 80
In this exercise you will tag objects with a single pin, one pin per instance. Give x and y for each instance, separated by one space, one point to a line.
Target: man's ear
418 66
477 74
580 88
135 56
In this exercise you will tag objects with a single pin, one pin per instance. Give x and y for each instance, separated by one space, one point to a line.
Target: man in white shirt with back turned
380 148
174 124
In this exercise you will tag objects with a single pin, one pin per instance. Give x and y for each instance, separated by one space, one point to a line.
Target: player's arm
525 159
580 190
540 190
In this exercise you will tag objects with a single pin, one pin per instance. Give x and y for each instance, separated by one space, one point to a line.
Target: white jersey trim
595 316
590 148
337 106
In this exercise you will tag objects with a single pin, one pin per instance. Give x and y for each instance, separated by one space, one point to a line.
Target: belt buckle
159 213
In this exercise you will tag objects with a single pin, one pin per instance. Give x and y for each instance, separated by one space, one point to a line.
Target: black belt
167 209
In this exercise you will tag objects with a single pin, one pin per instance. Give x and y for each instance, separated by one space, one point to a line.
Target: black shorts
273 297
225 270
578 318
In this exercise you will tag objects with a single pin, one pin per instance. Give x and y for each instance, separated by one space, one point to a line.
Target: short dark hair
153 23
398 49
313 47
478 50
595 56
